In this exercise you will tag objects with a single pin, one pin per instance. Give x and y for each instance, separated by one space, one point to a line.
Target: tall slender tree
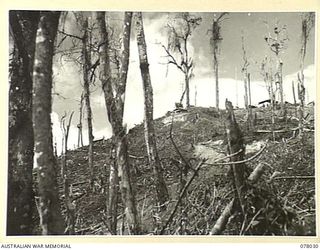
268 77
86 66
114 86
51 220
245 73
215 41
23 27
247 87
79 126
307 23
65 174
150 136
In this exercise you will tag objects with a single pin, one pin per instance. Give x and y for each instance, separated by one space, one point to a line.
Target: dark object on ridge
252 106
178 105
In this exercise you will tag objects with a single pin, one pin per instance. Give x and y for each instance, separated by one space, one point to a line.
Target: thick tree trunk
50 212
20 163
105 77
150 137
235 144
86 87
114 81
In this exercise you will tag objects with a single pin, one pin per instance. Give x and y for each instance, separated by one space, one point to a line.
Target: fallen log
223 219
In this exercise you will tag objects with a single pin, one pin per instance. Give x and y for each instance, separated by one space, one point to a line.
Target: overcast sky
168 81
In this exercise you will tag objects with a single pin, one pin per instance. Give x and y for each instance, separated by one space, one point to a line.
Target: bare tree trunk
294 94
80 139
187 82
281 86
20 159
215 41
105 77
245 81
235 144
50 212
272 102
86 88
65 176
250 115
294 98
114 81
150 137
216 72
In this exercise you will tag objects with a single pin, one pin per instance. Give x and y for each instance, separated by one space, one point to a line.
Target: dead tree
294 98
150 136
114 86
51 221
245 73
86 64
177 49
65 176
247 88
236 153
23 27
215 41
235 144
308 20
267 73
277 44
79 126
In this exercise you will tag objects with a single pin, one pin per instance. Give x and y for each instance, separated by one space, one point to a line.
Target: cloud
310 84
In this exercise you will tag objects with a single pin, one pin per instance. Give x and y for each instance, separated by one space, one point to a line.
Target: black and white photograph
125 123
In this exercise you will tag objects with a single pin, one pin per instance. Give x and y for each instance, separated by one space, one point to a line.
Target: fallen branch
294 177
312 210
278 131
238 162
252 220
136 157
223 219
181 196
257 173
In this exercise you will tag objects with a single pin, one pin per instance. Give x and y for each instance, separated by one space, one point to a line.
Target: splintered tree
277 43
23 27
114 86
268 77
150 137
51 220
215 41
65 175
307 24
246 80
177 49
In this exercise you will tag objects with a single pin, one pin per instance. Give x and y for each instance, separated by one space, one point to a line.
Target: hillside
282 202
